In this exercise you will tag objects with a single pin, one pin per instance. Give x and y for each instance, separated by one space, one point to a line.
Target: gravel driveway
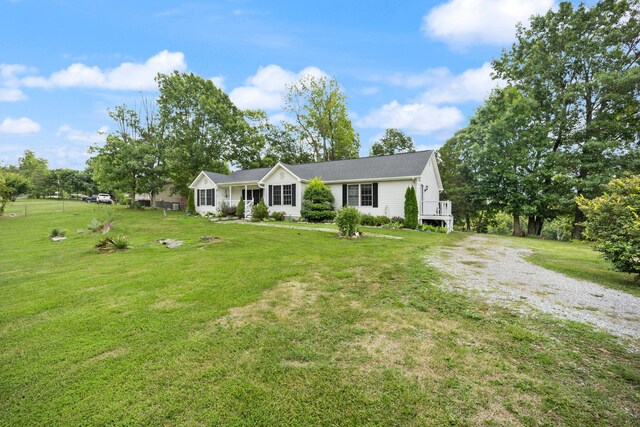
501 274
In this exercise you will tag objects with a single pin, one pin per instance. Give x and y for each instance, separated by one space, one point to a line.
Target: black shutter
197 197
271 195
293 194
375 194
213 197
344 194
243 197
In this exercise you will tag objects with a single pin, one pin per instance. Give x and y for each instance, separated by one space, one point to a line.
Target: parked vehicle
91 199
104 198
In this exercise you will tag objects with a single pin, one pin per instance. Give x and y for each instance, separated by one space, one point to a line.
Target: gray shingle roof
392 166
377 167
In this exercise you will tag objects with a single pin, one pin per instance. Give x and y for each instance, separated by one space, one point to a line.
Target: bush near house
317 202
410 208
613 222
277 216
347 220
259 212
240 209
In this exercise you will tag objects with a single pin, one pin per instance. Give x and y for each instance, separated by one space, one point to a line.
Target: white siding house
375 185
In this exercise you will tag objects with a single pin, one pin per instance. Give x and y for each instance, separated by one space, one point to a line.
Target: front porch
231 195
437 211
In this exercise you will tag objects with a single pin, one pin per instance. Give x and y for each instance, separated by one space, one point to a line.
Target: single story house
374 185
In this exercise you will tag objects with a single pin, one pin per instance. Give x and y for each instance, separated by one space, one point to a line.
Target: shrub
613 223
317 202
558 229
112 244
397 219
259 212
368 220
57 232
125 201
240 209
433 228
347 220
229 210
191 204
278 216
410 208
501 223
139 206
382 220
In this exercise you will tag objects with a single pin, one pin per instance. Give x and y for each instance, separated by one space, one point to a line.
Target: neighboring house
374 185
163 200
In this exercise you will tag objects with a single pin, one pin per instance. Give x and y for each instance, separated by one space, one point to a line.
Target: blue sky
421 66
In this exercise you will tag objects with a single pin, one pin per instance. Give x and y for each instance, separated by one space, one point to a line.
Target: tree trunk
538 225
578 219
531 225
468 222
517 231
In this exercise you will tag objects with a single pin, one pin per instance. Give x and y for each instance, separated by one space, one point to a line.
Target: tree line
564 125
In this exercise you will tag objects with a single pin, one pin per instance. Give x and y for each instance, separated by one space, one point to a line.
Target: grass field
278 327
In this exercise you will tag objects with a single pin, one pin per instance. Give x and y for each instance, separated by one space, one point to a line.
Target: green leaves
394 141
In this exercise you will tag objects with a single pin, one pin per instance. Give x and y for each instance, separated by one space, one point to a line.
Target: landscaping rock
171 243
58 238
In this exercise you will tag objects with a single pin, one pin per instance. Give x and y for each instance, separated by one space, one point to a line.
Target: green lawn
278 326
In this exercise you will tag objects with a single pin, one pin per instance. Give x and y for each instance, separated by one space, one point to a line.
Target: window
209 197
286 194
352 195
202 197
277 195
366 195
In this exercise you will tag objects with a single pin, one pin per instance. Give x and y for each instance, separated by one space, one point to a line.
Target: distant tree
34 169
191 205
613 222
394 141
317 202
16 184
410 208
321 119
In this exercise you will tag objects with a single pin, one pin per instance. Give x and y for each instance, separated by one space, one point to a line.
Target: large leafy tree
580 64
393 141
34 169
319 108
203 129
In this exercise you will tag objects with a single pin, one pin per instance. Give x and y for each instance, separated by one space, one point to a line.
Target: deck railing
431 208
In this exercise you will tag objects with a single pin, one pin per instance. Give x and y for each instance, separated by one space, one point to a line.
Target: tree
34 169
613 222
394 141
11 186
581 66
319 108
191 205
410 208
317 202
203 129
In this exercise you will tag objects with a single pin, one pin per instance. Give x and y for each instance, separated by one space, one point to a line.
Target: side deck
437 211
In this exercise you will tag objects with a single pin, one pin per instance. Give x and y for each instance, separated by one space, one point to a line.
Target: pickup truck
104 198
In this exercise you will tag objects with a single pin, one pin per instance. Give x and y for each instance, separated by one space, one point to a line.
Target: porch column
229 195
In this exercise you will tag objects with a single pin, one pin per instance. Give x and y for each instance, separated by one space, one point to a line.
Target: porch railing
432 208
247 209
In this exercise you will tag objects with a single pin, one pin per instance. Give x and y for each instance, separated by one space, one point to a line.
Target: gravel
503 276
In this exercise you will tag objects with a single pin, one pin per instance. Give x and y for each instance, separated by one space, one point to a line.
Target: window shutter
244 196
293 194
375 194
197 197
271 195
213 197
344 194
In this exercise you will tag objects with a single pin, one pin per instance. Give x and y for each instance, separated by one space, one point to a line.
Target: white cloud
443 86
474 22
9 91
76 135
418 118
22 125
264 89
8 94
126 76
